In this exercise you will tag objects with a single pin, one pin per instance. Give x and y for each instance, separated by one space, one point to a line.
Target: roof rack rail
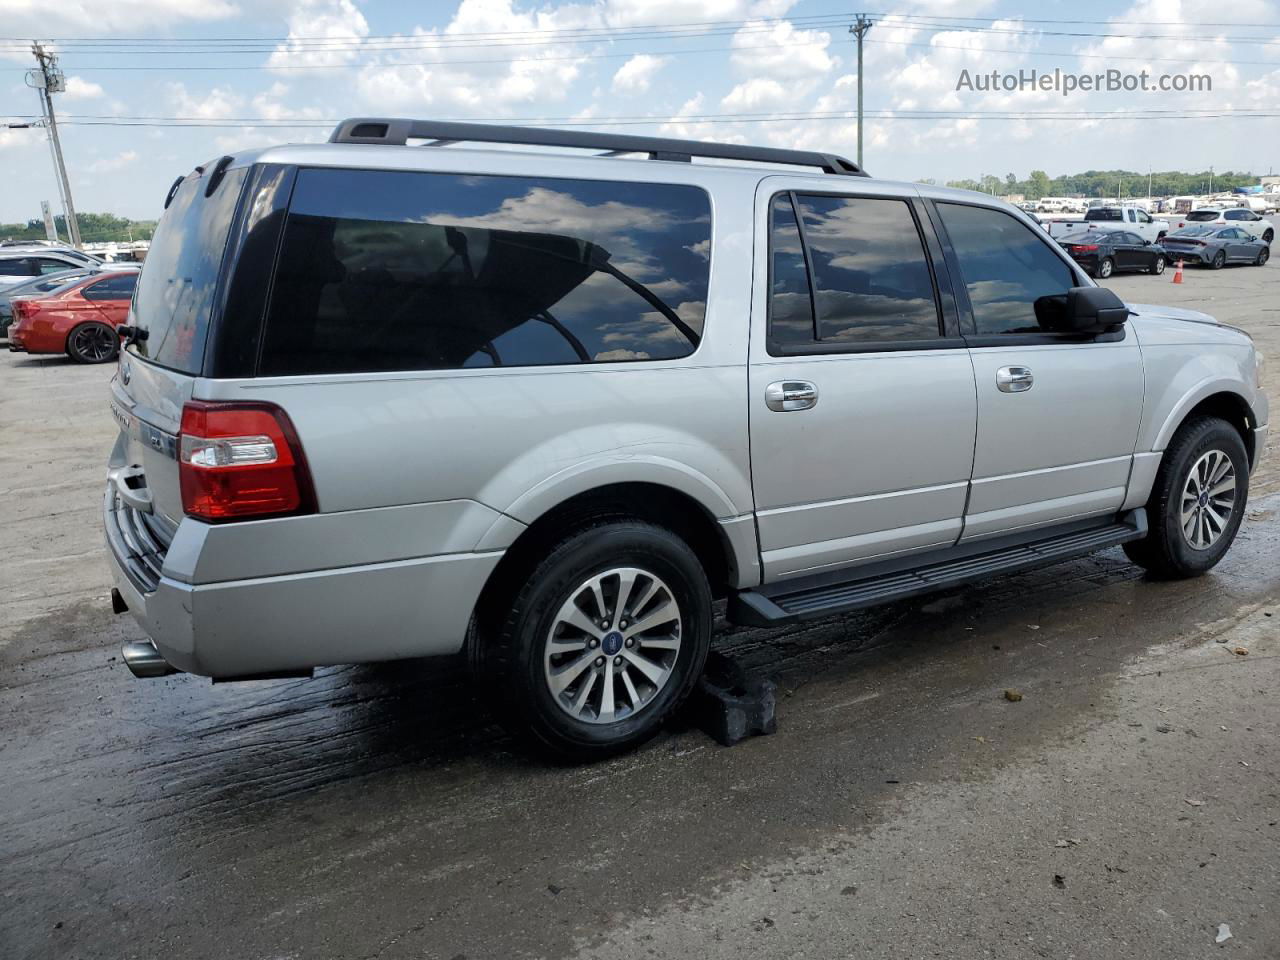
398 132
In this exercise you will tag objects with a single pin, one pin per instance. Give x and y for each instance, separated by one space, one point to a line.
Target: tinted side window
409 271
871 281
1005 265
790 300
1235 215
112 288
15 268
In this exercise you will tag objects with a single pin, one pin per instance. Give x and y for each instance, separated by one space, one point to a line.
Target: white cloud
758 93
118 162
781 51
218 104
636 74
80 89
44 18
339 27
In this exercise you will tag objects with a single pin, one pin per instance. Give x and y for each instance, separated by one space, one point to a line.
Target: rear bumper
1175 255
272 624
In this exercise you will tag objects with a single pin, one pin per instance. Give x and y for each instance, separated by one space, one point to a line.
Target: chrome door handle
1014 379
786 395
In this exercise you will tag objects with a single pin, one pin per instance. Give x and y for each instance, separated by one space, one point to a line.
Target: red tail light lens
1085 247
25 309
239 460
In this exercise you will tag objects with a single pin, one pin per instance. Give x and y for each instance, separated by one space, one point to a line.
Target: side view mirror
1082 310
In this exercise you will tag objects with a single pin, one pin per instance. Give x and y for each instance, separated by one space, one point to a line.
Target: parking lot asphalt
1127 805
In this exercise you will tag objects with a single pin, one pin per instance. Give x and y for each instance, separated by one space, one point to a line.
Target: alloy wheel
1208 499
613 645
93 343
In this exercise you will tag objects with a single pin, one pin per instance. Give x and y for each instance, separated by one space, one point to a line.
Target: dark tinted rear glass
175 291
1104 213
396 270
1202 216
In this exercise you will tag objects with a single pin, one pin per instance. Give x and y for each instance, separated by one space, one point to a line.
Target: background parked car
1216 246
1101 252
1110 217
1248 221
17 264
34 287
79 319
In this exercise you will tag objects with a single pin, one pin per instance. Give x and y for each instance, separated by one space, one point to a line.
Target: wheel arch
724 550
1214 399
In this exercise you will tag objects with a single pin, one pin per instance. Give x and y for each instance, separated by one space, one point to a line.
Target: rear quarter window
398 270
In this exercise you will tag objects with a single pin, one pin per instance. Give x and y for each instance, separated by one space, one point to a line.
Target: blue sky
245 70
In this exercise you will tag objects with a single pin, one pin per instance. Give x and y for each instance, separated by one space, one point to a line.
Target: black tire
1263 256
1219 260
1158 266
1268 235
1163 234
513 655
1106 267
1166 551
93 343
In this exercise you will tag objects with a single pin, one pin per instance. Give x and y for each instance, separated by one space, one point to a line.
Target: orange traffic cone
1177 274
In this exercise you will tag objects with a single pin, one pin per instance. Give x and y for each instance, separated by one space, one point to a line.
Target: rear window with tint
174 295
1203 215
1104 213
397 270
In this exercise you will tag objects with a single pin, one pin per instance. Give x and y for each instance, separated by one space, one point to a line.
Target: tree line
1104 183
94 228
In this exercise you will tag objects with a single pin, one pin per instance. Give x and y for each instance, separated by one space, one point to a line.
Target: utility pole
860 30
47 79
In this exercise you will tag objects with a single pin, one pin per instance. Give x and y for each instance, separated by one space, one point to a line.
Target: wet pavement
1126 805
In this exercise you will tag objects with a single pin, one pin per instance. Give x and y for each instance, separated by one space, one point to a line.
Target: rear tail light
25 309
239 460
1084 248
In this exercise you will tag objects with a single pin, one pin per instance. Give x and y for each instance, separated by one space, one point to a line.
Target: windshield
1193 232
1082 237
175 291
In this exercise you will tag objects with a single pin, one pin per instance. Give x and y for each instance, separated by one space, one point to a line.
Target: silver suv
382 401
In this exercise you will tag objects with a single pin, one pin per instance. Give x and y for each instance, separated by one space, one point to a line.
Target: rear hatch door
171 310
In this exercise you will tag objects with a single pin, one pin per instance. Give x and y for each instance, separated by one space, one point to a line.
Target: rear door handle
1014 379
787 395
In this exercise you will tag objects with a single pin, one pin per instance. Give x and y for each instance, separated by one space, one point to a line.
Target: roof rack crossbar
397 132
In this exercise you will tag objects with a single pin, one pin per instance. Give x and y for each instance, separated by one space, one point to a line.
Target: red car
79 319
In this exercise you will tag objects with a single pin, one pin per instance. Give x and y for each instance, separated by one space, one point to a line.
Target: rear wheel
1219 260
1106 268
92 343
607 637
1263 256
1158 266
1197 502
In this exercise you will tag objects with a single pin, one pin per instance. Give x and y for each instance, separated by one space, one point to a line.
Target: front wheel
1219 260
92 343
1268 235
1197 502
1105 268
604 641
1158 267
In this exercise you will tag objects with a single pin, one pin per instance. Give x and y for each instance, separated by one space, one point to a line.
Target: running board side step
820 596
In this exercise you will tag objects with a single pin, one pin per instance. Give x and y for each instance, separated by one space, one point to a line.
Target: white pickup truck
1131 219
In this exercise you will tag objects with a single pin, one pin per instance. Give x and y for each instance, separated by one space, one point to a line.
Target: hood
1172 313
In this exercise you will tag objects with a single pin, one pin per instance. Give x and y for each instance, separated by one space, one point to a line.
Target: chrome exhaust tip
144 660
